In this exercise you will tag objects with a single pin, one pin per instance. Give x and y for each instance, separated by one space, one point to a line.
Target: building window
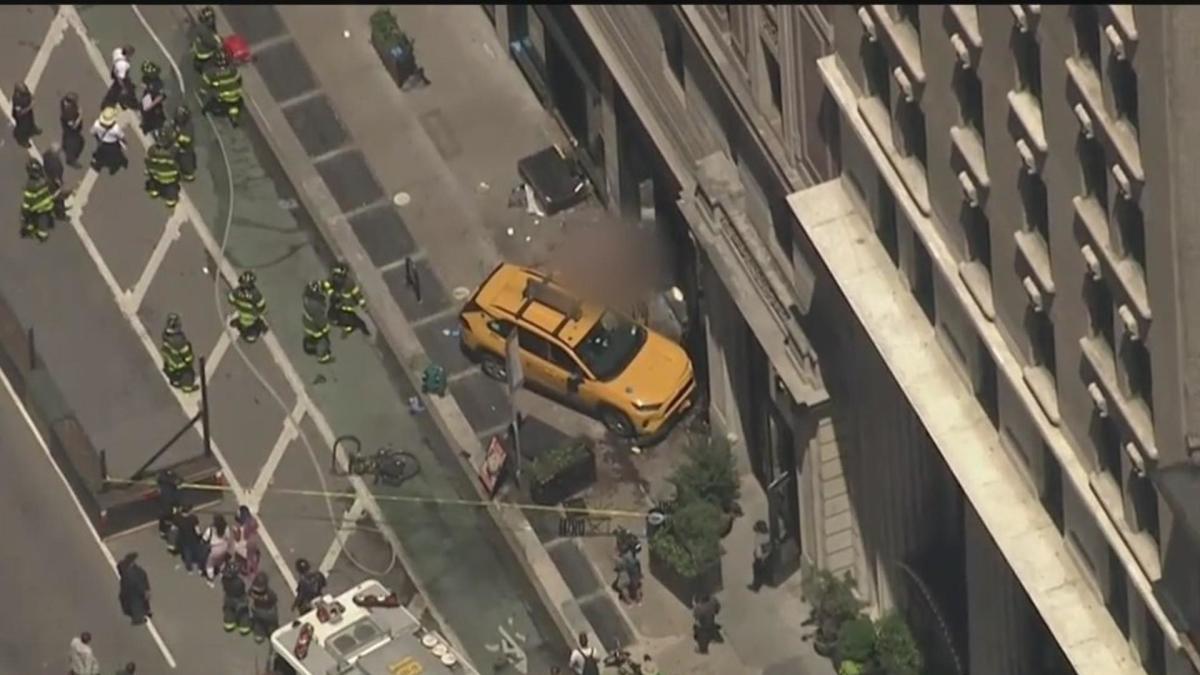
1100 311
1132 231
1052 489
979 240
911 14
1028 57
1124 81
1138 380
1108 446
672 37
1144 502
876 77
1033 198
1041 338
1093 171
911 123
774 79
969 92
1087 35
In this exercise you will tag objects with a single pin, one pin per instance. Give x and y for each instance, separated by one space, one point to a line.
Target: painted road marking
349 520
290 432
171 233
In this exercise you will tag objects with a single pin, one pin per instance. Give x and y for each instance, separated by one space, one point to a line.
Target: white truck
364 631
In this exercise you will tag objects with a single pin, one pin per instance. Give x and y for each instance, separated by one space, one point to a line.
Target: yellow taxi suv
637 382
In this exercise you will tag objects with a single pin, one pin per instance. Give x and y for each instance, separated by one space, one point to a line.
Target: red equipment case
237 49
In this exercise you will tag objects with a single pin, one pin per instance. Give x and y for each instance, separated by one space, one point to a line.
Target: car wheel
494 368
617 422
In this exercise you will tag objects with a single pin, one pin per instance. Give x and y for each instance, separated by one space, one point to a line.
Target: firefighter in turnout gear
178 359
206 43
264 608
316 323
250 305
345 298
154 98
162 168
224 85
236 607
185 143
37 203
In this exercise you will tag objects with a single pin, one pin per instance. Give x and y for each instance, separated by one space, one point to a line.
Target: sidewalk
451 150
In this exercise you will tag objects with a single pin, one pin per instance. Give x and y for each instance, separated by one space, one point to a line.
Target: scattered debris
402 199
676 294
461 292
528 239
635 449
451 332
345 33
516 198
510 231
484 187
531 203
415 405
553 181
288 204
319 379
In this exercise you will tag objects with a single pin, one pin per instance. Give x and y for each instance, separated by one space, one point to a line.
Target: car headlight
646 407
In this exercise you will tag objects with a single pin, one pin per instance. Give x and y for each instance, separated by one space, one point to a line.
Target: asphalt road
56 576
97 294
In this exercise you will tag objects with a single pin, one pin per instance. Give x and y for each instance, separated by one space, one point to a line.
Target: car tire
617 422
494 367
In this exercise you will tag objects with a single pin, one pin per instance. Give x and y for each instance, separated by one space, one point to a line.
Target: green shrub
856 640
690 540
553 462
896 649
710 473
832 600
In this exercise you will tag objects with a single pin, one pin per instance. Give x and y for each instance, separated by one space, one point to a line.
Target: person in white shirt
583 658
110 143
122 91
82 660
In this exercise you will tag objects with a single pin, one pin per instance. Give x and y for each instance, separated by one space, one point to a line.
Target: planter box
395 49
566 483
709 581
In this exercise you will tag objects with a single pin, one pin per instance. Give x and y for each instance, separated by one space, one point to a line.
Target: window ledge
970 148
912 174
904 41
979 284
967 17
1130 282
1028 111
1145 551
1117 137
1133 414
1037 257
1041 385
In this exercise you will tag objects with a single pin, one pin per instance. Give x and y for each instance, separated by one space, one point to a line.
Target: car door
584 390
535 358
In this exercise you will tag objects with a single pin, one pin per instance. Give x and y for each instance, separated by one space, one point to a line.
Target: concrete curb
396 330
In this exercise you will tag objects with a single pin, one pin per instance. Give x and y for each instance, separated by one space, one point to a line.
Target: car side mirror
574 380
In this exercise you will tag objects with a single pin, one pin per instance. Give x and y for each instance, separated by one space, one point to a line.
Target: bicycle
386 465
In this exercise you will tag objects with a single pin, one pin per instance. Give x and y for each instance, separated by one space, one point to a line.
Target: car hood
656 373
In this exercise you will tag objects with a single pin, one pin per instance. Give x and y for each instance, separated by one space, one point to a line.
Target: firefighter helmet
174 323
313 289
182 115
302 566
150 68
340 269
165 136
34 169
247 278
208 17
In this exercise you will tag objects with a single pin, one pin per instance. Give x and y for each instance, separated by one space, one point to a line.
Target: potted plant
561 472
895 648
685 552
710 474
393 45
833 603
856 646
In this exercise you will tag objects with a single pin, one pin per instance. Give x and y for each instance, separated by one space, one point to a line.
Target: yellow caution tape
561 510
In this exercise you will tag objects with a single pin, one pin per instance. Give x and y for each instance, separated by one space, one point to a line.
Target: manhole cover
402 199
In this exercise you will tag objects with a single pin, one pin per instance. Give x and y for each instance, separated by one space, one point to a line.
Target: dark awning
1179 485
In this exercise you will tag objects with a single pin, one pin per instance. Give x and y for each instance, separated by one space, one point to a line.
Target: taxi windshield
610 345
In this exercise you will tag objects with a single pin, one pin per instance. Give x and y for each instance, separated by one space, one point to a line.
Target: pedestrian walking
264 610
762 552
205 40
629 576
705 628
216 538
110 143
185 143
316 322
178 358
122 91
72 128
583 658
310 585
53 164
250 305
345 299
192 550
248 526
134 593
235 607
162 168
82 659
22 112
37 203
154 98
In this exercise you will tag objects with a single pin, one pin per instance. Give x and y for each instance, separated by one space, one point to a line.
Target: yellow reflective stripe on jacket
39 199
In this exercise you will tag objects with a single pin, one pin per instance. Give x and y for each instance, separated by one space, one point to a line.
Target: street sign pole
516 379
